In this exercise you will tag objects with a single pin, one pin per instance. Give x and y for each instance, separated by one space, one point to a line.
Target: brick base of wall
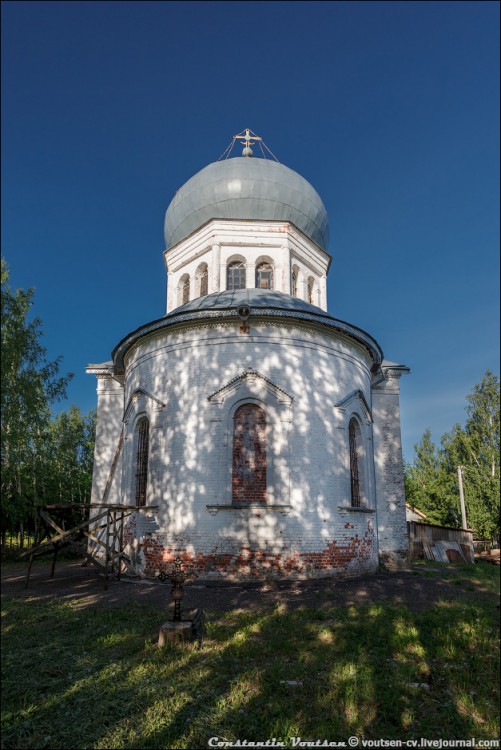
350 558
395 559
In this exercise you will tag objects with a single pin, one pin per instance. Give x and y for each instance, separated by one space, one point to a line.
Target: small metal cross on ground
177 577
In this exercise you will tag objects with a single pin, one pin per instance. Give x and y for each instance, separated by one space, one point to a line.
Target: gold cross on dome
247 138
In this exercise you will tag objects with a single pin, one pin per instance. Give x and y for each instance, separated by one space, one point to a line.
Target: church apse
273 447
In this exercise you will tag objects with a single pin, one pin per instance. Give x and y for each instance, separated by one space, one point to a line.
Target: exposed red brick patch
338 557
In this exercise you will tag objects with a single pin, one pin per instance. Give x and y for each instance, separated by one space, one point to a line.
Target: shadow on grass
94 678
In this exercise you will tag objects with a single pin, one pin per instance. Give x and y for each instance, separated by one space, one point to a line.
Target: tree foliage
432 481
44 459
426 482
71 442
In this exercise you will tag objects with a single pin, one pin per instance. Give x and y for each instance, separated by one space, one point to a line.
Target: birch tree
30 385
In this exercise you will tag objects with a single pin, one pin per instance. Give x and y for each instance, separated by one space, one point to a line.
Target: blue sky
390 110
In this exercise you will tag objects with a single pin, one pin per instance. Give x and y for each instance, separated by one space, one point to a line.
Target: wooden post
121 543
108 522
54 561
32 556
113 540
107 549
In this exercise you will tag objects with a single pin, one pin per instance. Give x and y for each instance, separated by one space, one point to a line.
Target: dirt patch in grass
418 588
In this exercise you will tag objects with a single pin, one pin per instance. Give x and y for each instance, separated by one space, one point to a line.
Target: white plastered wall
306 374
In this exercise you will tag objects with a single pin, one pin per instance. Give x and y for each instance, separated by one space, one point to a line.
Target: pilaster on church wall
215 276
323 292
283 269
110 406
389 468
250 273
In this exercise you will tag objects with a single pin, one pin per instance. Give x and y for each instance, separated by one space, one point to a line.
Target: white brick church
266 431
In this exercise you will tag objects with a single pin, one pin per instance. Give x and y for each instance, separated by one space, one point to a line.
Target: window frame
260 424
356 450
267 268
202 277
236 265
141 455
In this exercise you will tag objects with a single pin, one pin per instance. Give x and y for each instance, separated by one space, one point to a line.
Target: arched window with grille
264 276
236 275
249 455
183 289
311 285
356 467
294 277
186 290
142 451
202 279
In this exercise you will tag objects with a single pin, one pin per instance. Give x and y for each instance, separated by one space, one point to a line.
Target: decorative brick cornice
357 395
392 374
100 372
250 374
230 315
105 372
282 509
141 392
351 509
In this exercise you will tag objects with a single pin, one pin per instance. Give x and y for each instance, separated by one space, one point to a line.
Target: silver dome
246 188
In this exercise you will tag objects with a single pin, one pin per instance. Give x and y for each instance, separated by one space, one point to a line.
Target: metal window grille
264 276
294 284
142 462
355 481
186 290
236 276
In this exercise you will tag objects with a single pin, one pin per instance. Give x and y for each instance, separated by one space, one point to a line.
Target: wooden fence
440 543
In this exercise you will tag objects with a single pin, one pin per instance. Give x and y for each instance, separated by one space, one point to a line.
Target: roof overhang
176 321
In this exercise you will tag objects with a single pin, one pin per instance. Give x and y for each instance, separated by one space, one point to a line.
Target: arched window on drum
236 275
183 289
294 281
249 455
310 289
264 276
202 279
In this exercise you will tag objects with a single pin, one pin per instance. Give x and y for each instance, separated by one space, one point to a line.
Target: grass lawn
92 677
